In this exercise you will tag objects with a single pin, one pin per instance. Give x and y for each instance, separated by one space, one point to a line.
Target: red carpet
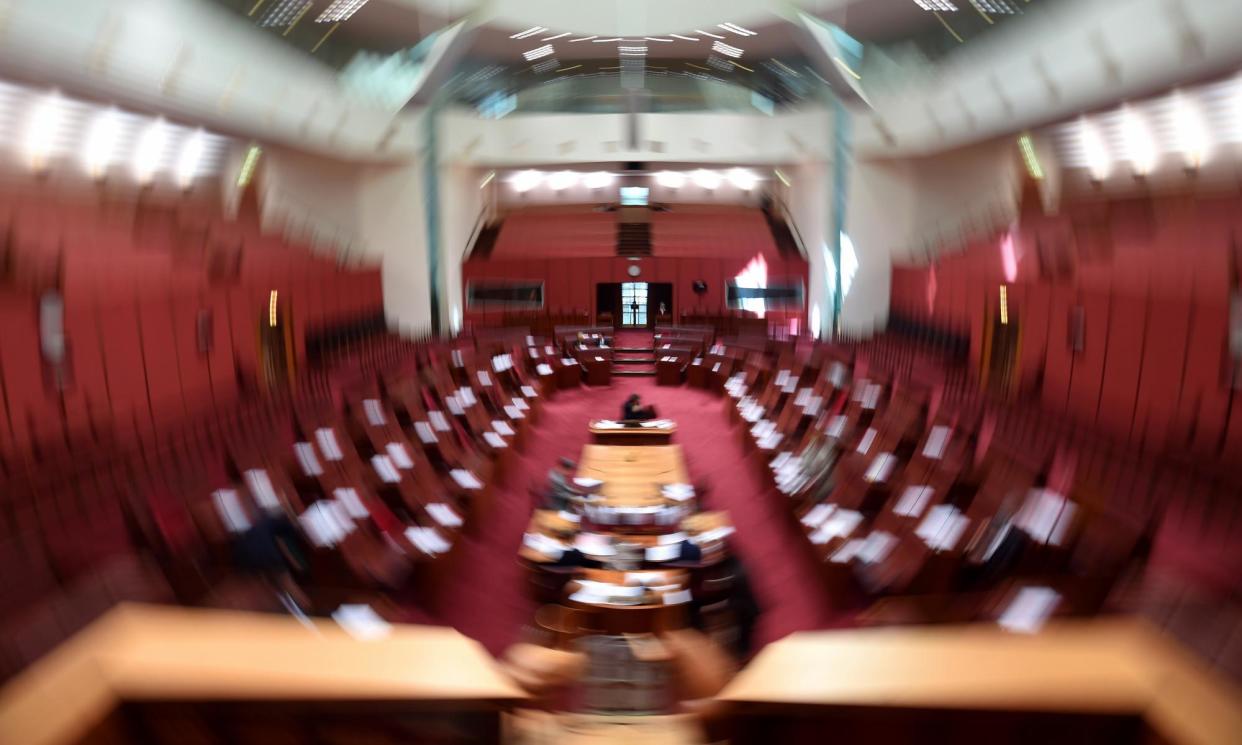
486 598
632 339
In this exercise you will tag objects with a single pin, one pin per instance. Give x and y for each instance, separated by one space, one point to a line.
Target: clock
634 270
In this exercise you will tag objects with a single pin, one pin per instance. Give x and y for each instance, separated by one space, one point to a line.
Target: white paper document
361 622
465 479
444 514
260 485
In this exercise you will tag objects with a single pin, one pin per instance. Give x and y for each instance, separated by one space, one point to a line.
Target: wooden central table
633 475
632 434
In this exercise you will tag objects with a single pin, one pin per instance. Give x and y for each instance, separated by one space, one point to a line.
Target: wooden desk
633 475
1105 668
651 616
137 654
630 435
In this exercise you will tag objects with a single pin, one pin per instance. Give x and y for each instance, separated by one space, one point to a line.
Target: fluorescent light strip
840 62
609 40
708 33
684 38
941 5
657 38
558 36
725 49
734 28
583 38
528 32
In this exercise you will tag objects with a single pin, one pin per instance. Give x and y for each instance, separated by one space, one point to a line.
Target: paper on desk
838 525
880 468
587 483
398 454
230 510
836 425
669 539
608 424
665 552
425 433
657 423
867 440
374 411
715 534
260 485
782 377
352 503
495 440
1030 610
444 514
484 379
326 523
305 453
427 540
877 547
817 515
521 403
543 368
567 361
455 407
467 397
514 412
383 466
847 552
677 597
942 528
913 501
465 479
569 516
544 545
937 439
594 544
529 392
871 397
328 445
439 422
361 622
502 427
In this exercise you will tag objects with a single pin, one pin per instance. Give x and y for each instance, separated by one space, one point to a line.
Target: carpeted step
649 350
630 359
634 371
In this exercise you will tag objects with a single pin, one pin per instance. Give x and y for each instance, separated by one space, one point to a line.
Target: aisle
485 597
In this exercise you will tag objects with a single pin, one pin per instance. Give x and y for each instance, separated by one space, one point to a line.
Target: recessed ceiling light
598 180
191 158
523 181
671 179
340 10
707 179
42 128
150 152
538 53
101 142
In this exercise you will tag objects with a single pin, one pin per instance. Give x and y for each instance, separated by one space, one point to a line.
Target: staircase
633 353
633 239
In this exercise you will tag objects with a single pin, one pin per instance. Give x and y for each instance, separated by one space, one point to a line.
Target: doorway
634 305
1001 344
275 361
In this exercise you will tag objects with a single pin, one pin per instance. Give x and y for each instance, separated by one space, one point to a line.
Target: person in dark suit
633 410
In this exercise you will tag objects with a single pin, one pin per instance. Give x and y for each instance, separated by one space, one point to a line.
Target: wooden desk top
632 475
138 652
636 432
1103 666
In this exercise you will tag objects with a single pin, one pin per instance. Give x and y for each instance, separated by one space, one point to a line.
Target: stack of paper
942 528
838 525
937 439
260 485
351 503
914 500
305 453
374 411
328 445
326 523
881 468
485 380
667 552
494 440
229 507
439 422
542 544
465 479
444 514
425 434
361 622
383 466
543 368
1030 610
427 540
676 597
817 515
397 452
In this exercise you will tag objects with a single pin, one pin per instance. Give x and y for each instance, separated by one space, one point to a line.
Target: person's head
566 465
632 400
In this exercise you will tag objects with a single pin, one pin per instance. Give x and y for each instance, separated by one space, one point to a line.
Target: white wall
690 193
315 200
461 202
706 137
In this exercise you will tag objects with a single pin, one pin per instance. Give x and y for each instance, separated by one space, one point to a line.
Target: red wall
133 292
1153 278
569 284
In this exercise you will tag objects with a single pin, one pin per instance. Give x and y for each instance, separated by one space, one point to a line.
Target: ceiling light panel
708 33
528 32
284 12
941 5
725 49
996 7
733 28
538 53
340 10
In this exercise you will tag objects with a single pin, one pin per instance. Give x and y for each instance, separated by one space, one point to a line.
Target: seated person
633 410
561 489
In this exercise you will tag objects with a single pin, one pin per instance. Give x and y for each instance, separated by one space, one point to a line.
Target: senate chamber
378 372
